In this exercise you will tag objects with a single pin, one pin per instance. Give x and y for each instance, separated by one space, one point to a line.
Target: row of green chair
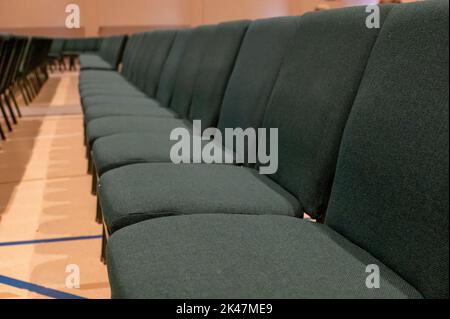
79 46
108 57
72 48
362 128
94 53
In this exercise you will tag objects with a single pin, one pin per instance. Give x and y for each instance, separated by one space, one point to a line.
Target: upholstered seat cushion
126 124
121 89
241 256
118 150
110 78
144 191
103 100
144 108
95 75
94 62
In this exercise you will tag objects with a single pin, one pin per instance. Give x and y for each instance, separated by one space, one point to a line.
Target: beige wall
97 16
144 12
47 17
215 11
39 16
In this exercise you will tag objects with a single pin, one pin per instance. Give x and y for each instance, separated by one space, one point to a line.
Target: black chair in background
55 55
73 48
23 66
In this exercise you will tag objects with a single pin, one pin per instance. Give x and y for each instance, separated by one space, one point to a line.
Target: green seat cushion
145 108
96 75
118 150
87 76
125 124
93 61
144 191
241 256
101 100
110 86
103 82
114 90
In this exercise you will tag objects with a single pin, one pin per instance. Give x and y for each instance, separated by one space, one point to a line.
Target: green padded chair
388 210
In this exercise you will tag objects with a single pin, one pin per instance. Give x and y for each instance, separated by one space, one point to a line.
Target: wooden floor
47 227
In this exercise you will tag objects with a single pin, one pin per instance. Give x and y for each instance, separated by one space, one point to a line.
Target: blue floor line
46 241
37 289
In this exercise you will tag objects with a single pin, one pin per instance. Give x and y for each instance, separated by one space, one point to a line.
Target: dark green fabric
81 45
390 195
244 103
111 83
109 91
101 82
123 124
56 48
254 74
313 96
241 257
127 105
143 191
108 56
91 75
118 100
215 70
153 51
132 64
118 150
115 88
129 52
91 61
186 74
105 83
163 43
148 108
188 69
141 59
169 71
111 49
94 76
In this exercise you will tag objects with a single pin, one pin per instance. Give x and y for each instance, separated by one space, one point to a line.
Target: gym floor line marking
46 241
41 290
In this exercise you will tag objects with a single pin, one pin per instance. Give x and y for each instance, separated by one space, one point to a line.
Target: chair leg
89 158
16 105
98 215
62 66
104 242
99 219
24 96
46 74
2 134
5 116
72 63
33 86
25 91
8 105
38 81
29 89
94 180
